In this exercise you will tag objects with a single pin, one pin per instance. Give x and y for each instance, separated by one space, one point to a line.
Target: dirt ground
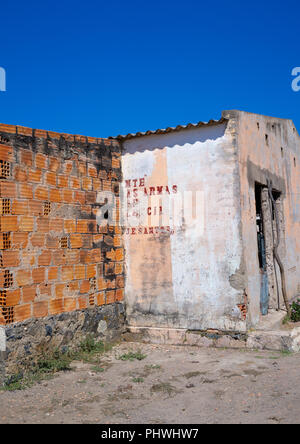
176 385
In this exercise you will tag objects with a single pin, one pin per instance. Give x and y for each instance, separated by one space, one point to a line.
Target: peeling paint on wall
269 148
211 278
181 278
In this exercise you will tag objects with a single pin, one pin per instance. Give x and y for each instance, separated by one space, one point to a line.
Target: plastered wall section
188 276
269 148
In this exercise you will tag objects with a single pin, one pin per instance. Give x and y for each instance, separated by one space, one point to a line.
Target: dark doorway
260 227
260 192
266 236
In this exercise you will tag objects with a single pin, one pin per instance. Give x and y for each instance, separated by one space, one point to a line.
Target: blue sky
103 68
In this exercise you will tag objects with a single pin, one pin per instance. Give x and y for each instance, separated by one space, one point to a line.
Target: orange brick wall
54 257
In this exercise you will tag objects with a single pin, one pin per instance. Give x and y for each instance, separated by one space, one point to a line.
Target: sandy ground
176 385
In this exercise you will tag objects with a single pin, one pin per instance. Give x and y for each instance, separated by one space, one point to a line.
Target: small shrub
89 349
164 387
295 311
286 320
131 356
138 379
23 381
13 382
89 345
286 352
98 369
54 362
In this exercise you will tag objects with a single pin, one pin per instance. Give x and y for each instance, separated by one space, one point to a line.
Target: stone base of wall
176 336
21 344
276 340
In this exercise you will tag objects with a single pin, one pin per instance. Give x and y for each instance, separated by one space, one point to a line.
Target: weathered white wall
192 278
2 340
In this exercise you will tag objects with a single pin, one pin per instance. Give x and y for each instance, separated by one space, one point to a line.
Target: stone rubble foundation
21 344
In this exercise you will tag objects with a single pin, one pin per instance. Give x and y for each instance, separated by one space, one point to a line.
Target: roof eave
211 122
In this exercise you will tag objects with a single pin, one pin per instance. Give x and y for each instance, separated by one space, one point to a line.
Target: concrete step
277 340
282 340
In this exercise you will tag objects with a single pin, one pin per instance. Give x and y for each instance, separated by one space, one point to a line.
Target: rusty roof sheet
170 129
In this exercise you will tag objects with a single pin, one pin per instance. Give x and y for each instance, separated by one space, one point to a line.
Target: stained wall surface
269 149
189 275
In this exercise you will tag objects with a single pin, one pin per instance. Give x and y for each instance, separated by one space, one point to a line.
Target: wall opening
260 227
266 237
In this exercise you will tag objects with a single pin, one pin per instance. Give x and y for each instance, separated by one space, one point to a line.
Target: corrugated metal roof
170 129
